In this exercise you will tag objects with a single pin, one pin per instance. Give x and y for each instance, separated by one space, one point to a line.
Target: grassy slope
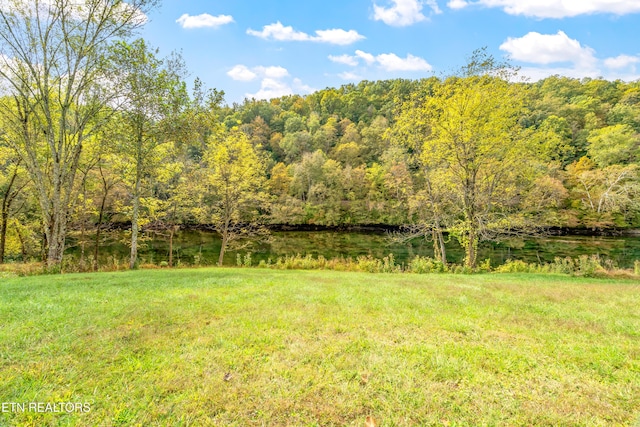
321 348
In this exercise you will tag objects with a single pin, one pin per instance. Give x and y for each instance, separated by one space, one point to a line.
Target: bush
514 266
424 265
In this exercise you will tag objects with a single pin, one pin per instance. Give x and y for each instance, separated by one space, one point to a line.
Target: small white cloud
344 59
535 74
273 72
555 9
387 61
203 21
392 62
621 61
246 74
403 12
368 58
338 36
457 4
349 76
241 73
271 88
301 87
539 48
279 32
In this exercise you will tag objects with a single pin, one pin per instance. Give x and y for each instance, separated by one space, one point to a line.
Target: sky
269 48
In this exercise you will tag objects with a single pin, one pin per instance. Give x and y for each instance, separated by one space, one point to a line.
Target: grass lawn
317 348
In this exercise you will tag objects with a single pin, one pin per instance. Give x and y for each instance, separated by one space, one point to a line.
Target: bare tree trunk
6 205
471 249
3 233
171 233
134 223
223 246
439 250
23 245
96 249
83 224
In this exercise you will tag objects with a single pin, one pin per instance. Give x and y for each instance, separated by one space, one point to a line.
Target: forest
98 130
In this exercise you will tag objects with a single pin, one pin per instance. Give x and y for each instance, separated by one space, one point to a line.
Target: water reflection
201 247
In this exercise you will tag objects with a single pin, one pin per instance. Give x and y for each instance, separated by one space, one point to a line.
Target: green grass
318 348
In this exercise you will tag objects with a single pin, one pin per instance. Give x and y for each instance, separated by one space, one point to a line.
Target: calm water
191 247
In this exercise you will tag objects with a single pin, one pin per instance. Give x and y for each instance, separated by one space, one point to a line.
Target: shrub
514 266
589 266
423 265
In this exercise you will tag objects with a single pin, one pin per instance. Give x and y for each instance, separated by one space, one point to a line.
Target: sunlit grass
262 347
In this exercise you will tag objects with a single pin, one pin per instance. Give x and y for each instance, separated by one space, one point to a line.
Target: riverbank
385 228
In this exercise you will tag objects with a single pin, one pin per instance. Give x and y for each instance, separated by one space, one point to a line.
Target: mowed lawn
259 347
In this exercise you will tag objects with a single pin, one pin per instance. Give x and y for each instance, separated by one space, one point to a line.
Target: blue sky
270 48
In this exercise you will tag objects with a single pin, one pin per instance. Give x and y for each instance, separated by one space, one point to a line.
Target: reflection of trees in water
202 247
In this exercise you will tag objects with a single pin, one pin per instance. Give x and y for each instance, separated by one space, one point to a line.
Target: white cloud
274 88
344 59
574 59
349 76
621 61
539 73
271 88
539 48
555 8
273 72
279 32
403 12
301 87
457 4
338 36
273 82
241 73
387 61
368 58
392 62
203 21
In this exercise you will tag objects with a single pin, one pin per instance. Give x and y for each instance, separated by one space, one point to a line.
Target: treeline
108 133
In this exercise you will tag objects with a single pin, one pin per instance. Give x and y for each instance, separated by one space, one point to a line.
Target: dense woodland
476 155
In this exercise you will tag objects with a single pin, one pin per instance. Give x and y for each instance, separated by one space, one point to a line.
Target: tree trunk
134 224
96 249
471 249
23 245
6 205
56 234
171 233
223 246
439 250
3 233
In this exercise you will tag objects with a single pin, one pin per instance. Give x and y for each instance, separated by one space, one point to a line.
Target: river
202 248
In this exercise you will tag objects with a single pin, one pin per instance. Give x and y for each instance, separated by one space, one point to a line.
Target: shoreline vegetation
383 228
582 266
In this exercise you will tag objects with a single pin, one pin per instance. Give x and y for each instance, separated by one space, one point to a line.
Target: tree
235 180
52 63
467 133
12 182
603 192
153 95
